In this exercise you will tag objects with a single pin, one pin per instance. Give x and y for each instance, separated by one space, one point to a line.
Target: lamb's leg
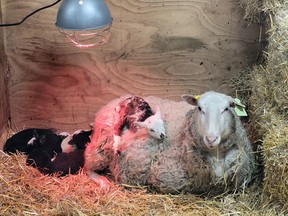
102 181
118 127
116 136
116 142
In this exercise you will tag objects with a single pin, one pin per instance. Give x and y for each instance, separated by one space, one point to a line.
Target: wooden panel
162 48
4 105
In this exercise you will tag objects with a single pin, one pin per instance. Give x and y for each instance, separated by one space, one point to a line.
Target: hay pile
25 191
269 98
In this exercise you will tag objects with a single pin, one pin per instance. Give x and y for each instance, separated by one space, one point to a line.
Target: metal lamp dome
85 22
83 15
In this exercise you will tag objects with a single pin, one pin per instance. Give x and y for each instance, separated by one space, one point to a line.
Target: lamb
206 149
80 138
132 112
77 140
135 112
23 140
50 152
48 146
52 158
63 163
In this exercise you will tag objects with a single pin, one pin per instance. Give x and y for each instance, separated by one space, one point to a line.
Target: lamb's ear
42 139
141 124
35 134
190 99
88 133
158 112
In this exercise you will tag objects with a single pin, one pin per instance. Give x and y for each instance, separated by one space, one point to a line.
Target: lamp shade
83 15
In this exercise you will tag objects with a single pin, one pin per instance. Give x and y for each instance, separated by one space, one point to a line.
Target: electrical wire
26 17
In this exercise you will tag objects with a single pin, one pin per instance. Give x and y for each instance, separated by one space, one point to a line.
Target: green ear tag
239 108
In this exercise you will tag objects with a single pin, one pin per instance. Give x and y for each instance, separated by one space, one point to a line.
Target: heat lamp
86 23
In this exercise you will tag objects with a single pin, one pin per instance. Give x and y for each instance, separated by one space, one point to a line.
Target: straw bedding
25 191
268 98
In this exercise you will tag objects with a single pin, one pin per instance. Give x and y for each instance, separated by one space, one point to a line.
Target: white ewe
206 149
219 136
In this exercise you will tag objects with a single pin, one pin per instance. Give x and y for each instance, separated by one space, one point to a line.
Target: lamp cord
18 23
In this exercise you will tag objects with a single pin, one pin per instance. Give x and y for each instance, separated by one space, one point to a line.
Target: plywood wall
162 48
4 105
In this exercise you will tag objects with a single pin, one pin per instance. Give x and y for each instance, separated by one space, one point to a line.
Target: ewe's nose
162 136
211 140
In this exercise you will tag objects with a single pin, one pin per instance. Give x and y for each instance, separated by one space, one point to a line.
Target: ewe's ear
239 108
141 124
232 104
190 99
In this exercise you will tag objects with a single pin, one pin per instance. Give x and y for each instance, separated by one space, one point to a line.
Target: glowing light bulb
93 29
88 38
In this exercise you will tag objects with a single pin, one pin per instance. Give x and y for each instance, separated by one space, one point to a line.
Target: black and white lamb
61 164
23 141
75 141
206 150
54 157
49 146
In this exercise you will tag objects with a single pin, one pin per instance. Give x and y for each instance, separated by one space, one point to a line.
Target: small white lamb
134 113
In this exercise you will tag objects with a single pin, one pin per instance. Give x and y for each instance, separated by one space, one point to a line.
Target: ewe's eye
200 110
226 109
152 130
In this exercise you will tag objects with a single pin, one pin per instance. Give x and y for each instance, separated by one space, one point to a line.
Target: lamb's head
154 125
214 118
80 138
65 146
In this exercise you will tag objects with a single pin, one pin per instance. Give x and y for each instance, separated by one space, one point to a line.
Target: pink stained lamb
131 114
134 113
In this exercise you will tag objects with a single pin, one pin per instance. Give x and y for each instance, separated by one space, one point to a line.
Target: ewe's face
214 119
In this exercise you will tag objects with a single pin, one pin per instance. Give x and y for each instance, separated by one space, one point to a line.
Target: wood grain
4 104
161 48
